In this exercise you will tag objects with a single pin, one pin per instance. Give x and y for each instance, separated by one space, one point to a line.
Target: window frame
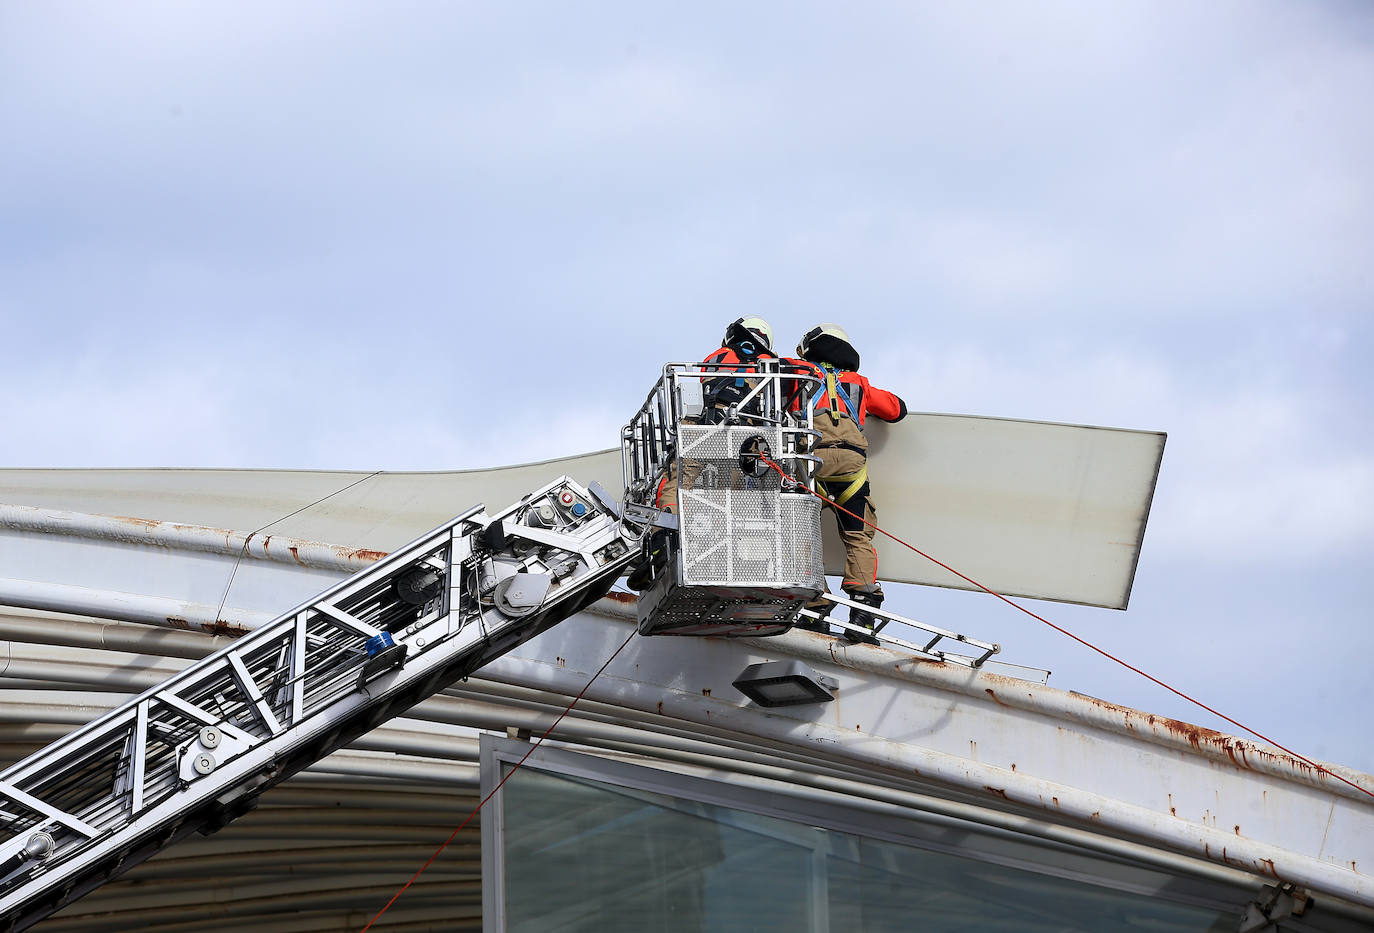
832 811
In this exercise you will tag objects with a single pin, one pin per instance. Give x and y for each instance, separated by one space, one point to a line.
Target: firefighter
840 406
746 340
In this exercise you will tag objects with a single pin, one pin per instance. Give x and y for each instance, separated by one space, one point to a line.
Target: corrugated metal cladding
322 852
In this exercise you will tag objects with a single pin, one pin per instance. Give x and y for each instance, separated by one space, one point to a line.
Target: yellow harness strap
833 393
855 481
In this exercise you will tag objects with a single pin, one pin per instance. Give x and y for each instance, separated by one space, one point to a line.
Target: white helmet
752 329
828 343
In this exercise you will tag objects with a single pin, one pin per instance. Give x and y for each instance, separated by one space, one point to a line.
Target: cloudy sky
446 235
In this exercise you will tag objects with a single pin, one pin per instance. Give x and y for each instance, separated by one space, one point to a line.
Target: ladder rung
989 648
960 659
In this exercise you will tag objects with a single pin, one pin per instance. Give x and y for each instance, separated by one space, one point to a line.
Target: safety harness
834 390
726 390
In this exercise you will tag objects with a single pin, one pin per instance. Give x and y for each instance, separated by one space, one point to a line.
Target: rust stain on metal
996 790
1055 801
1237 829
138 522
220 627
705 691
1268 867
1013 766
359 553
660 707
561 661
1097 815
1241 752
628 599
989 692
343 552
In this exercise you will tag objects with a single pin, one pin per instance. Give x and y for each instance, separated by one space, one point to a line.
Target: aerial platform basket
747 555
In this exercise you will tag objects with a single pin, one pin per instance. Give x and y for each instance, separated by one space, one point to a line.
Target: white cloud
1250 471
427 236
1285 510
142 415
491 435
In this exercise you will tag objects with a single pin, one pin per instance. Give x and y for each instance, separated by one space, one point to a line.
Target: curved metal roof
1050 511
327 849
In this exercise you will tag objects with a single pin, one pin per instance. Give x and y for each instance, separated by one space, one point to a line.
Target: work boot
821 607
862 618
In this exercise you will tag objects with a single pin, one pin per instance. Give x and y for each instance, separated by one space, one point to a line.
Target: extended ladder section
195 752
927 648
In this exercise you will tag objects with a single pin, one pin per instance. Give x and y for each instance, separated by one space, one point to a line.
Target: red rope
1065 631
537 742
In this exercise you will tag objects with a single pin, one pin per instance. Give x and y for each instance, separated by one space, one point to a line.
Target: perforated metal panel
744 537
720 442
748 553
739 529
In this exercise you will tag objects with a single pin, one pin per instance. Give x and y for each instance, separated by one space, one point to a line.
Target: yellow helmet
828 343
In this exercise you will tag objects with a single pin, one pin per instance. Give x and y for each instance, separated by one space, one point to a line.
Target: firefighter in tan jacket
840 406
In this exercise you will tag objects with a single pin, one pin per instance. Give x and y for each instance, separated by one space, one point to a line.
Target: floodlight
785 683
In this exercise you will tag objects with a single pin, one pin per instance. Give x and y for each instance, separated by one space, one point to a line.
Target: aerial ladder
741 557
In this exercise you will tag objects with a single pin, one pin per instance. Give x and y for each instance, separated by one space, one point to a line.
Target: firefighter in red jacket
840 406
746 341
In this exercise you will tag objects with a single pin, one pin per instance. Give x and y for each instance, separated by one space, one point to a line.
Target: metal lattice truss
196 751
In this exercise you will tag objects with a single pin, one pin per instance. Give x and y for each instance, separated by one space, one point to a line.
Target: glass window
583 855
